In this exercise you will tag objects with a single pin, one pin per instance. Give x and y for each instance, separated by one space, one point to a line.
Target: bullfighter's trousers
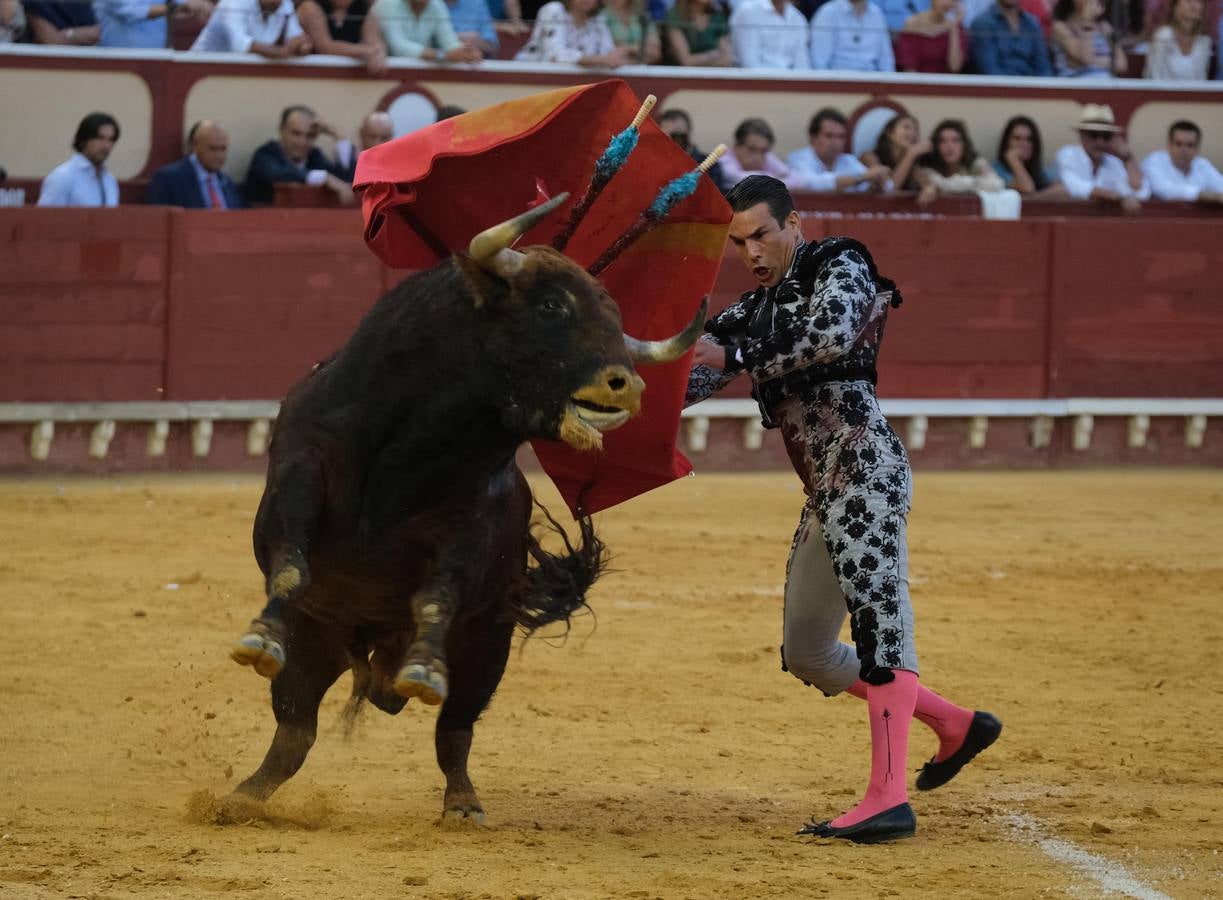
849 553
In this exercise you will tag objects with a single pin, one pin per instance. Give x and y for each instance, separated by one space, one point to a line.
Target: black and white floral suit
810 345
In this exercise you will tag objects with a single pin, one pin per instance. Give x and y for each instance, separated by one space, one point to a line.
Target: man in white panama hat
1101 166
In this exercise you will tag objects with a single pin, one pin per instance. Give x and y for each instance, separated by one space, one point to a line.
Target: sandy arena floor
660 752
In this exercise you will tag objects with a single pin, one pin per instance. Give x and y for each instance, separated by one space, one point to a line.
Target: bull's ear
484 285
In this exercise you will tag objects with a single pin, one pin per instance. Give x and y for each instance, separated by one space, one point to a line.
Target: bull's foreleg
482 648
425 673
316 659
283 526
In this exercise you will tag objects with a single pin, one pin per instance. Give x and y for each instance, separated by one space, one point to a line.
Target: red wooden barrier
258 297
1135 309
973 320
82 304
144 304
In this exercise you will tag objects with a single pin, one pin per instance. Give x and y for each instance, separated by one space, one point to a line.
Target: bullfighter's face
765 245
556 337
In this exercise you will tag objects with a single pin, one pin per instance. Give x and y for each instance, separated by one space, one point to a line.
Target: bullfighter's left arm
838 305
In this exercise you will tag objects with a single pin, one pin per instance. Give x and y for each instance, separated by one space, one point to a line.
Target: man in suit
196 181
294 158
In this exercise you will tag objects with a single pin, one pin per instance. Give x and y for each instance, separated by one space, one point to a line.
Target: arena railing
259 416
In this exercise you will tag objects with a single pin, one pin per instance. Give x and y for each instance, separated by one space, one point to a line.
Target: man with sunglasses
677 125
1102 167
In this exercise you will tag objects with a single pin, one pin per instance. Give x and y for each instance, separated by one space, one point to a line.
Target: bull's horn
491 247
672 348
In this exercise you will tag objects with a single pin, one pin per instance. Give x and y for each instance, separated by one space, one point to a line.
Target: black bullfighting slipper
889 825
983 731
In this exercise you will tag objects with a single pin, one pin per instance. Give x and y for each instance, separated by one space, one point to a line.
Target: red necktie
212 193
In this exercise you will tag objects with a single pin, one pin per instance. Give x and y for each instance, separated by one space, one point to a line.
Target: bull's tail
556 584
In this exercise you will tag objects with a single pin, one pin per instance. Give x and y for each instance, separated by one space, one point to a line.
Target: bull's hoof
265 654
238 809
425 682
462 817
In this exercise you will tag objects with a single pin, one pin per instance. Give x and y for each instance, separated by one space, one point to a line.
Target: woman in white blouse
1179 50
569 31
953 166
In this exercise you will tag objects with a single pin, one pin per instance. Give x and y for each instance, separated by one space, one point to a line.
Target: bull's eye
554 305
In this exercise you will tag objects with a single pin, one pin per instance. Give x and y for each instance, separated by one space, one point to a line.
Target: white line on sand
1109 875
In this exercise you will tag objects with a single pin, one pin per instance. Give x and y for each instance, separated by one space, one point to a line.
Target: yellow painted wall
250 108
41 108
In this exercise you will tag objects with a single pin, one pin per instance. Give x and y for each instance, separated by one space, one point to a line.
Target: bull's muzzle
671 349
609 400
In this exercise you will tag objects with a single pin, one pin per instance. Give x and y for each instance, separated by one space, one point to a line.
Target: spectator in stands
1008 41
268 28
1179 49
1154 14
295 159
570 31
1040 10
752 154
953 166
1083 41
851 35
197 181
507 17
473 23
769 34
974 8
934 40
897 12
898 147
84 179
697 34
376 128
1020 162
632 30
1179 173
12 22
823 165
62 22
1101 167
677 124
344 28
421 29
142 23
1219 49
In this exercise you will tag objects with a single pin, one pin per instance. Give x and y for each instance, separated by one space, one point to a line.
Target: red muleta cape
426 194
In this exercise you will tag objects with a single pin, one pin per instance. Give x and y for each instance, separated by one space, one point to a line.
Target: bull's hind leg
283 526
316 659
480 650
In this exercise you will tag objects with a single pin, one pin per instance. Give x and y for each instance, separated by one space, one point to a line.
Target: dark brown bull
394 528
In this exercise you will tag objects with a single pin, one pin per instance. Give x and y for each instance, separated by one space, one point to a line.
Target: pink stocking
948 721
891 707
